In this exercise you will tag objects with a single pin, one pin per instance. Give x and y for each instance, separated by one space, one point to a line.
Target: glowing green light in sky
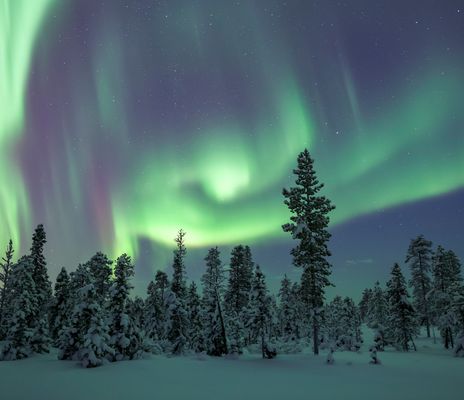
19 24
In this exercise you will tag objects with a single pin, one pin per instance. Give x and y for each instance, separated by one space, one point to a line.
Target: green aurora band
20 22
222 181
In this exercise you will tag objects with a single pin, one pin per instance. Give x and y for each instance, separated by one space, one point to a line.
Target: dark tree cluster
437 300
91 316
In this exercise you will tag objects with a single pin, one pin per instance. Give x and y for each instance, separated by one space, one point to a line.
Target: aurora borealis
123 121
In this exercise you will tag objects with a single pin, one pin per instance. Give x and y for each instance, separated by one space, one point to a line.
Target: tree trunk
315 336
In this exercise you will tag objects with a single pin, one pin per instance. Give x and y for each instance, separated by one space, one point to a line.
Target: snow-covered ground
430 373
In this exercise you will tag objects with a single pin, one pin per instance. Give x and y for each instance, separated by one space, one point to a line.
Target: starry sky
124 121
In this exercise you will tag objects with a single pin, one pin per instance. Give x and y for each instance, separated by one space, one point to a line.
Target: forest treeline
91 316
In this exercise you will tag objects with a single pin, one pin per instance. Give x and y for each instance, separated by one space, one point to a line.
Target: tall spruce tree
402 324
260 312
71 336
195 323
126 337
212 312
22 309
5 274
308 225
176 300
364 303
446 282
237 296
377 315
43 287
154 321
419 260
99 267
60 309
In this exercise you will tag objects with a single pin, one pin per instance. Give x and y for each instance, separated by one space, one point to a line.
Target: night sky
124 121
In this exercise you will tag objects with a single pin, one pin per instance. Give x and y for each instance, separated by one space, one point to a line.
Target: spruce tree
419 259
71 335
60 309
286 311
100 269
259 305
153 315
176 300
364 303
195 325
308 225
212 313
237 296
21 311
40 340
377 315
5 274
446 282
402 324
126 337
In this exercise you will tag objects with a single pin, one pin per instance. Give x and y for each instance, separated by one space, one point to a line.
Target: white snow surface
429 373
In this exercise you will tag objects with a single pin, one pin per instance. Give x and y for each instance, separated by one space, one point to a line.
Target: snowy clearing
431 373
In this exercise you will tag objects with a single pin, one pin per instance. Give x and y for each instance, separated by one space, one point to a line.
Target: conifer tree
176 300
308 225
100 269
364 303
419 259
60 309
94 341
21 311
213 318
195 326
377 315
126 337
40 274
5 274
287 317
260 309
71 336
237 296
445 286
40 340
402 324
153 315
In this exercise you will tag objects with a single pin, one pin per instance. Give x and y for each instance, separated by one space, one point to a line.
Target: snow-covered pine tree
287 317
446 282
259 307
152 313
458 310
155 310
419 260
21 311
333 328
71 335
5 273
94 344
176 300
126 337
364 303
376 317
195 325
402 325
212 313
40 340
350 321
237 296
99 267
308 225
136 309
60 309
